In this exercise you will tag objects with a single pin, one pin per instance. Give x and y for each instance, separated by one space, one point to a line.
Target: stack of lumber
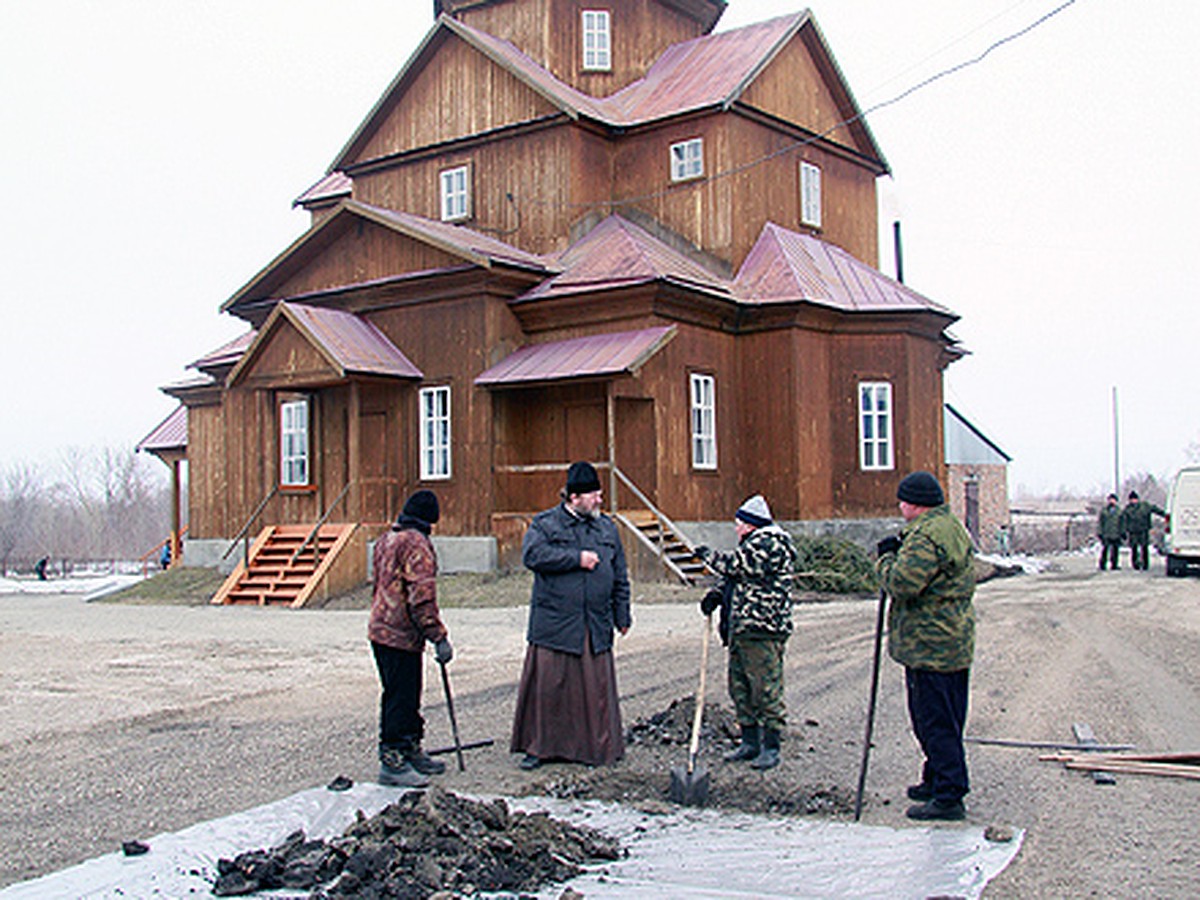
1173 765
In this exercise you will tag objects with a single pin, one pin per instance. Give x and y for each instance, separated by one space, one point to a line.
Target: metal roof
353 344
617 253
226 354
330 187
594 356
785 266
169 434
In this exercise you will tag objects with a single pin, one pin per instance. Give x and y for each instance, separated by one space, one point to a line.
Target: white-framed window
687 159
703 389
597 40
810 195
435 432
456 193
875 446
293 443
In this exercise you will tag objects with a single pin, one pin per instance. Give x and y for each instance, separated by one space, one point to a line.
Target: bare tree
20 492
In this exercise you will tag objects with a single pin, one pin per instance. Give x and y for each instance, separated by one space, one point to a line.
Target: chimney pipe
899 252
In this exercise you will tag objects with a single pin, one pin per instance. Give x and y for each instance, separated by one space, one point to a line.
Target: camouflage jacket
1136 517
760 570
1109 523
404 610
931 580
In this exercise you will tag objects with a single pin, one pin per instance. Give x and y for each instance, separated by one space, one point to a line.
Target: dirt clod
423 844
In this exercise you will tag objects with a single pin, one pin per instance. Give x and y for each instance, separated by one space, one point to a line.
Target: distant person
757 622
1109 529
1135 520
928 572
1004 540
39 568
567 704
164 557
404 615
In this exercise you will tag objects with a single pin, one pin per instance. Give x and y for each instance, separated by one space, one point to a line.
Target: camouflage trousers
756 680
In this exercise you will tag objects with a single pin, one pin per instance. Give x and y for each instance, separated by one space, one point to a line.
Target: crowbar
453 719
862 772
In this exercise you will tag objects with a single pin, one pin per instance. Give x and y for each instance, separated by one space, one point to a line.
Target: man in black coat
567 706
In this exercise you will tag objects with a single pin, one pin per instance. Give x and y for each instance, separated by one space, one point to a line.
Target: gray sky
152 149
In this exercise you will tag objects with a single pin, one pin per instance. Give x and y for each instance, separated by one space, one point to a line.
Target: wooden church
572 229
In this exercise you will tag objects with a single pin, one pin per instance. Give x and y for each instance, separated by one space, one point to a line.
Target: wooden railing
244 534
312 535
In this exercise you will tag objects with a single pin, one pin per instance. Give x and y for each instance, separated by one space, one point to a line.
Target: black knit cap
582 478
422 505
921 489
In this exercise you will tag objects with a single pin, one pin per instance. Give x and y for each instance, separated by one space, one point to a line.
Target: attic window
687 159
456 194
810 195
597 41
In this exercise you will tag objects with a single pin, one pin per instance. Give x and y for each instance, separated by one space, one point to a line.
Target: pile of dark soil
674 725
425 843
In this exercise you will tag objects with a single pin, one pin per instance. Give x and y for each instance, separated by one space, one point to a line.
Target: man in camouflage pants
928 572
755 593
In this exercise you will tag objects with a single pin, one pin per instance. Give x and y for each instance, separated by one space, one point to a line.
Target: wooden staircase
277 575
660 534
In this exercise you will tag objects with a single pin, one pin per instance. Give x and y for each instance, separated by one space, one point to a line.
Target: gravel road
121 722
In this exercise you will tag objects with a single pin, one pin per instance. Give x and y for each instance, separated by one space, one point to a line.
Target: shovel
458 747
689 785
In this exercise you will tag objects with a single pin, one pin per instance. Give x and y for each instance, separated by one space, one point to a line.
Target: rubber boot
769 757
748 748
396 771
410 748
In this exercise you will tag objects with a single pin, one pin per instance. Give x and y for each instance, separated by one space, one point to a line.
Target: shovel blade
689 788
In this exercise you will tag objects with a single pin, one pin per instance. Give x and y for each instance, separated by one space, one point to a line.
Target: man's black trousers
937 706
400 707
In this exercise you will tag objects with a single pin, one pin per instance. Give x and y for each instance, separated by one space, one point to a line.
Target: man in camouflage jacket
1109 528
1135 520
928 573
756 584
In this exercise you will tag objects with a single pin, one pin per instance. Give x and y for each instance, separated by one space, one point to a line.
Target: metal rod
866 754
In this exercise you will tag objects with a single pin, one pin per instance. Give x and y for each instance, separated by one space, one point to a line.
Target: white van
1183 528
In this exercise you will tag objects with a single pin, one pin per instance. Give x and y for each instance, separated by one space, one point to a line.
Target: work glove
703 551
710 601
890 544
443 651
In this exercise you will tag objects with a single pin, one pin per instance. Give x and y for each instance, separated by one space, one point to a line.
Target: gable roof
706 12
593 356
472 247
786 266
169 434
617 253
712 71
349 344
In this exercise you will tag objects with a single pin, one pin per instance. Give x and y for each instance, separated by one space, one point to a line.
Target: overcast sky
152 149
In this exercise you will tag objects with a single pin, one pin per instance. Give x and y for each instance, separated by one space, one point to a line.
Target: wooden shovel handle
694 746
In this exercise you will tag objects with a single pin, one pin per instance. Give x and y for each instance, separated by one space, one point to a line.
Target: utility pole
1116 446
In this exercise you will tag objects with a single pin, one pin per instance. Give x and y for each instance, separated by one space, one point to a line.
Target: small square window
810 195
687 159
597 41
456 194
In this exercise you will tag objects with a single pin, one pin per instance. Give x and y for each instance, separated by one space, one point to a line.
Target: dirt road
122 722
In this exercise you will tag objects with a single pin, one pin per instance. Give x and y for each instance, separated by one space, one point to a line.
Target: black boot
769 757
748 748
396 771
419 759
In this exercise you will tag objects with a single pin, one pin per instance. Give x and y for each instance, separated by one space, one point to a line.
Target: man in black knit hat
404 615
928 572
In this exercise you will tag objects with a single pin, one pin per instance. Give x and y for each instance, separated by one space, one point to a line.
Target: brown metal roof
594 356
617 253
331 187
169 434
784 266
225 355
350 342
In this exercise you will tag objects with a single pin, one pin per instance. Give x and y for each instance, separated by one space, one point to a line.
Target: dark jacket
931 581
404 610
566 597
1136 517
1110 523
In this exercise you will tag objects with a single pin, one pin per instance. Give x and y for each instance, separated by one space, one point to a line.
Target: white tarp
688 853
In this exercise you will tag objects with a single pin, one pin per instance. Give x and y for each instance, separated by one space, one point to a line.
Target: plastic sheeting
682 854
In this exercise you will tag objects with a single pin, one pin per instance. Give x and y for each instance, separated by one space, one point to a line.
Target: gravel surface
119 722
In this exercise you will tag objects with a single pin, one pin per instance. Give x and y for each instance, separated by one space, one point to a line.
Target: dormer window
810 195
687 159
597 41
456 194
